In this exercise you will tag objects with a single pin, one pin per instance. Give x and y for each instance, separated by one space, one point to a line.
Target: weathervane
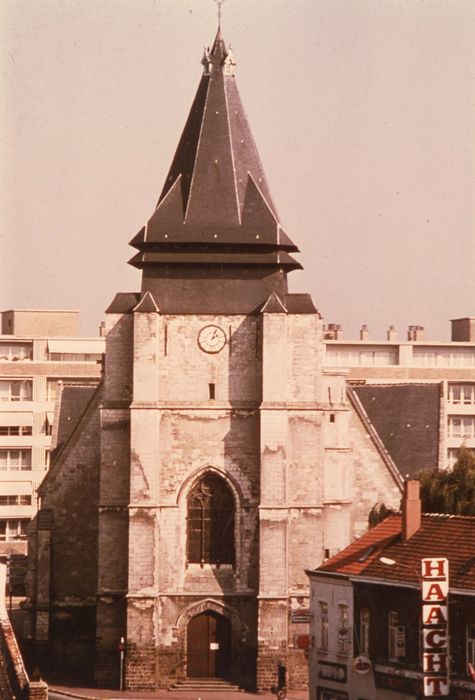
219 3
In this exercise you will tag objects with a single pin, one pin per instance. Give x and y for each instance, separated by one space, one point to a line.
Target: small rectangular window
332 417
364 631
16 352
343 630
212 391
15 430
17 390
15 460
396 638
13 500
323 626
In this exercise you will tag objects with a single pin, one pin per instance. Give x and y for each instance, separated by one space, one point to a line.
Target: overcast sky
363 112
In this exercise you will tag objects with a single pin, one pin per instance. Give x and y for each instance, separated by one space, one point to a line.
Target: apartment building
415 360
38 350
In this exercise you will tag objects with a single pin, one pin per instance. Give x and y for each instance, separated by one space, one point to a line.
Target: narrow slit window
212 391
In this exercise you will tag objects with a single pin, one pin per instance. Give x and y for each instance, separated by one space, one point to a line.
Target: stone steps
208 685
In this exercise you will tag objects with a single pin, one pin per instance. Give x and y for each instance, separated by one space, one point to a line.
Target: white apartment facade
416 360
38 350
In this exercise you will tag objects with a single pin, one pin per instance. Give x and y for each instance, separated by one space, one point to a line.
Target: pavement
104 694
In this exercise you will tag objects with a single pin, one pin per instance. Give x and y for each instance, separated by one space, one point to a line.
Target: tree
379 512
451 491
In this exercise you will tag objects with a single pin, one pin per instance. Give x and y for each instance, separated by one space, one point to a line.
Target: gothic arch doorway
208 638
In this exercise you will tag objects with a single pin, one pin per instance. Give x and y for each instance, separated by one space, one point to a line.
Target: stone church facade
217 460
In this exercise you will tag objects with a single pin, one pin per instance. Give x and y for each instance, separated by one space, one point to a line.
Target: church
218 458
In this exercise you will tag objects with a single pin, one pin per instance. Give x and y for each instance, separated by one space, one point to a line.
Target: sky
363 112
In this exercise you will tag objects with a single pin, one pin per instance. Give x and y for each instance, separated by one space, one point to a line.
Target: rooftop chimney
415 333
332 332
391 333
411 509
364 332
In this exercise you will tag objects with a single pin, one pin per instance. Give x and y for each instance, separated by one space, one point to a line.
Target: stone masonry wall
70 495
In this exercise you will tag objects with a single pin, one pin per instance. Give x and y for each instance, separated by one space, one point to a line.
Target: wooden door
208 646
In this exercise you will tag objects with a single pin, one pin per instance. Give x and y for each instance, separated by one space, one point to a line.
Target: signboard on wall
301 615
330 671
435 631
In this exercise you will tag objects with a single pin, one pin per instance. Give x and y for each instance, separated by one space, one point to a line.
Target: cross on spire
219 3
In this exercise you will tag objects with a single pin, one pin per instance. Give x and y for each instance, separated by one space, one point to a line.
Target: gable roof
406 418
450 536
73 406
72 403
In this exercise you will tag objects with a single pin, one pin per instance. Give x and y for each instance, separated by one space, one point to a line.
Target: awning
11 488
13 418
80 345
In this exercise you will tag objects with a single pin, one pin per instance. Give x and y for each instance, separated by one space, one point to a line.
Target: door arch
208 641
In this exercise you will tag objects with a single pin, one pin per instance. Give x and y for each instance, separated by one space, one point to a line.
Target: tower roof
215 206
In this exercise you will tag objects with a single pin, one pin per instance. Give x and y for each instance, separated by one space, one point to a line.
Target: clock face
212 339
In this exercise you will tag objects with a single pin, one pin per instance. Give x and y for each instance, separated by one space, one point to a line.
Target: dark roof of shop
446 536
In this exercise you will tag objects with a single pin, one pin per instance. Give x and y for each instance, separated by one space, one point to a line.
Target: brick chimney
411 509
332 332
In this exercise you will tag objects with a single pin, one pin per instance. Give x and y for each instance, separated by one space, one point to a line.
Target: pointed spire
215 207
216 180
219 3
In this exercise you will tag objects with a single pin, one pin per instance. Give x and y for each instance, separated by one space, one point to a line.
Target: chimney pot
391 333
419 333
411 509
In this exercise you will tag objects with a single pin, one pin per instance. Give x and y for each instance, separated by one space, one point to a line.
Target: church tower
212 455
211 472
217 460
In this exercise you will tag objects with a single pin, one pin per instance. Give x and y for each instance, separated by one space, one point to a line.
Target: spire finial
219 3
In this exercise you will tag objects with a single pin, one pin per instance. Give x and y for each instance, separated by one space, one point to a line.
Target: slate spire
214 243
215 194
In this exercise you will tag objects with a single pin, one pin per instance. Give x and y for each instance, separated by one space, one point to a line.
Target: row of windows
396 634
15 460
74 356
463 394
15 500
422 357
461 427
444 357
22 389
18 390
15 352
344 632
362 358
16 430
13 530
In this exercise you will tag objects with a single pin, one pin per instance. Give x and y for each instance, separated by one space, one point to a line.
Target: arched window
211 522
